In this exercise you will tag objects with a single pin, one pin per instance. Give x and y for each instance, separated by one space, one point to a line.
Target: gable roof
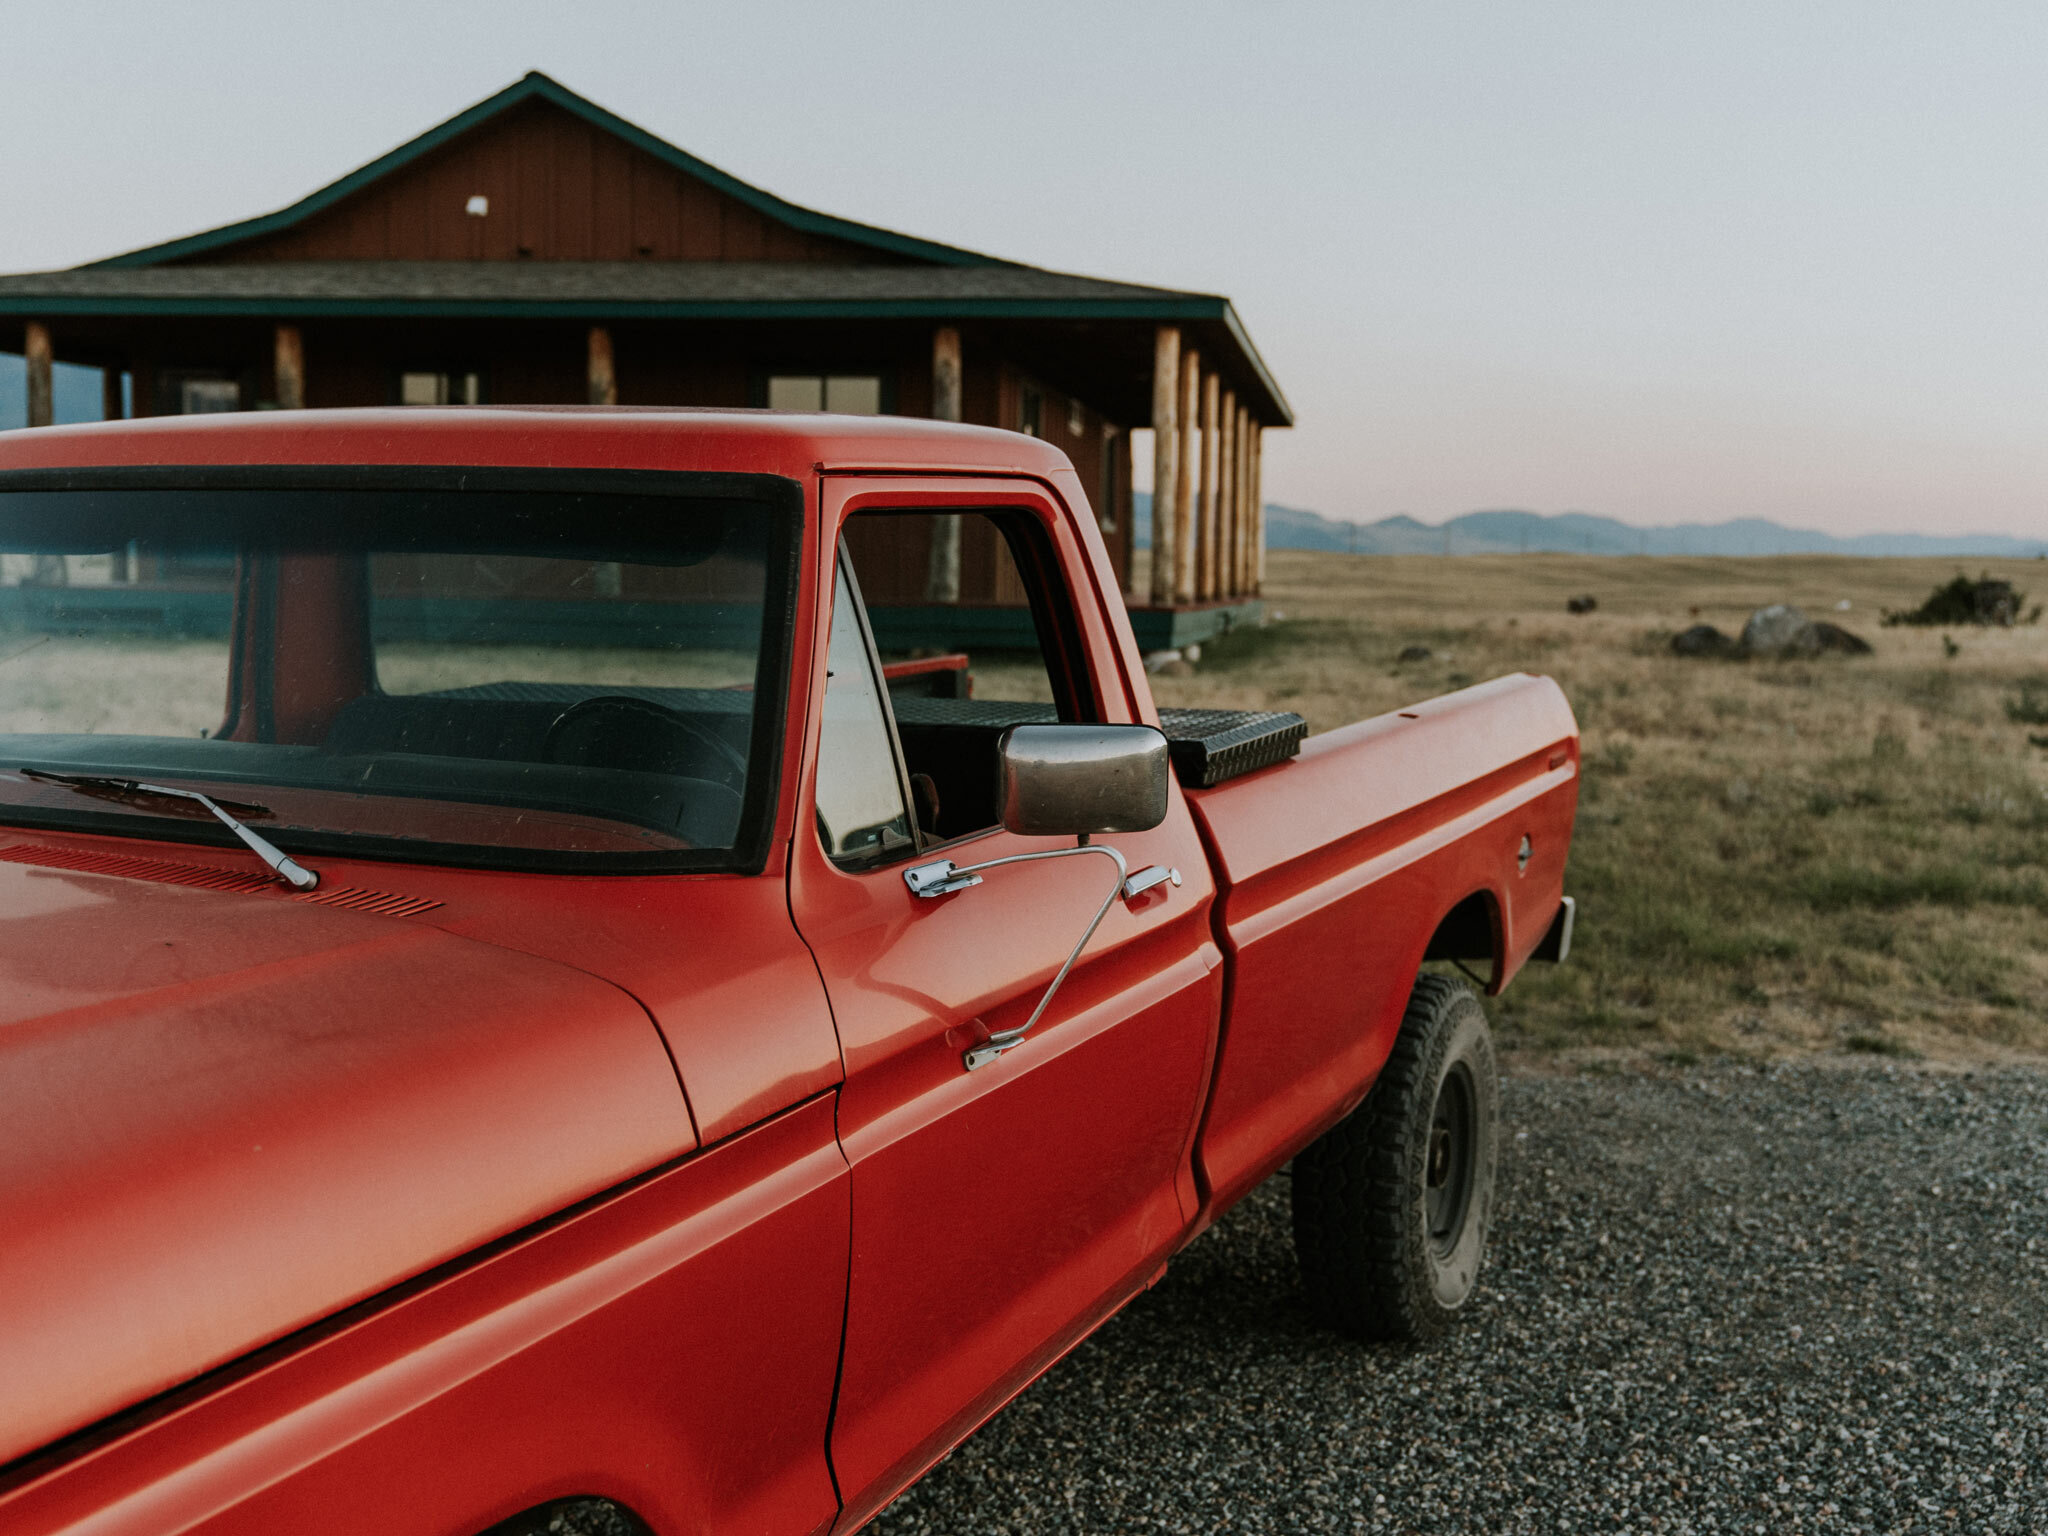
537 86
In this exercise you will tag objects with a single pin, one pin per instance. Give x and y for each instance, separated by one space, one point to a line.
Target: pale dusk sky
1663 262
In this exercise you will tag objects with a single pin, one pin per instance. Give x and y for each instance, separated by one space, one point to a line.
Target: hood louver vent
356 899
164 872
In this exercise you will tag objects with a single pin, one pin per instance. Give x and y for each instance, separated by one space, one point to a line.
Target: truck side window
862 817
990 643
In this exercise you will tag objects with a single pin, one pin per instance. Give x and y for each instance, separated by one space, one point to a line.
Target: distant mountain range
1581 533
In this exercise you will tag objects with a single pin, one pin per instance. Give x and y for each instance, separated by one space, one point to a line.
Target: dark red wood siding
560 189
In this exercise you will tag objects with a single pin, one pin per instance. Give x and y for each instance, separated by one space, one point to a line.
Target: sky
1664 262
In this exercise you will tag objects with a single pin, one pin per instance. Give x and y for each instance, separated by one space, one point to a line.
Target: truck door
998 1213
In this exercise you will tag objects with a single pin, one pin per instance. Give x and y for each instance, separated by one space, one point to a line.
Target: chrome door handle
981 1055
1146 878
941 877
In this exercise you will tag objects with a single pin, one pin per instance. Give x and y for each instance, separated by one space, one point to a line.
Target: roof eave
1283 412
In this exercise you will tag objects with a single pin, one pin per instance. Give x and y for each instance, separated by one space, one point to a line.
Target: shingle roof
630 283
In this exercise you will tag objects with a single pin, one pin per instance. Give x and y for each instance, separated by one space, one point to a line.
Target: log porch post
601 387
1227 514
1205 575
1165 460
942 568
1259 508
42 400
290 350
602 379
1185 452
112 408
1241 546
47 570
1225 494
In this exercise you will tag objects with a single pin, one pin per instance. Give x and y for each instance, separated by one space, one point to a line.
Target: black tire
1392 1204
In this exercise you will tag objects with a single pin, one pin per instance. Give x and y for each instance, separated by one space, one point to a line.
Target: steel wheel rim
1449 1160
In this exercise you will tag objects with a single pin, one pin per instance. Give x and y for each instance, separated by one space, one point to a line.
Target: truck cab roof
555 436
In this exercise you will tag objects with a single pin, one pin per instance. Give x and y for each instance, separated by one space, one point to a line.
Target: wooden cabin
537 249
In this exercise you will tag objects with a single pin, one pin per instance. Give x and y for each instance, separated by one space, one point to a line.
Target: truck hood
225 1116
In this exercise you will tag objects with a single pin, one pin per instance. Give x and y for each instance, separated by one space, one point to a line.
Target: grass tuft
2030 705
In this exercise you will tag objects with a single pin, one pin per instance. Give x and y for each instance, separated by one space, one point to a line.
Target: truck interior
602 690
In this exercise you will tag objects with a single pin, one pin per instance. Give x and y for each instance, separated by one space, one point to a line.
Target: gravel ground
1740 1299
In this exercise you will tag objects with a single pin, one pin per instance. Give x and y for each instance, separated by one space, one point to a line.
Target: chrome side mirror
1068 780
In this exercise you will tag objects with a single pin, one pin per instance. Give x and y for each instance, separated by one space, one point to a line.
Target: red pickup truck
531 1006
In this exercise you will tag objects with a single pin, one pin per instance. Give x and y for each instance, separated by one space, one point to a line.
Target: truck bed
1334 871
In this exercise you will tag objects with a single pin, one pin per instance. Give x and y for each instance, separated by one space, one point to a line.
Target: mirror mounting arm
943 876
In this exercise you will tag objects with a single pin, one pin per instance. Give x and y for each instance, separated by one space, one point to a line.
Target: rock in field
1415 653
1782 630
1585 604
1773 630
1703 640
1779 630
1825 638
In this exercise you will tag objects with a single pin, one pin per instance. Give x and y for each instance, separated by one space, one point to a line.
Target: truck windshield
487 667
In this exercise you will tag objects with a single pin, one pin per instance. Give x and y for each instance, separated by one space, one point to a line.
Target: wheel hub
1439 1156
1450 1159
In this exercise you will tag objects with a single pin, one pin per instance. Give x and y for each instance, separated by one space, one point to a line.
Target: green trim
537 86
32 305
1257 363
1160 629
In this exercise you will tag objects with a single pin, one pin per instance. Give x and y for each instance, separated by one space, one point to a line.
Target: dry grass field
1838 856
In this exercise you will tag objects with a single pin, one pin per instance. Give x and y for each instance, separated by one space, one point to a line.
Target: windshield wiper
127 791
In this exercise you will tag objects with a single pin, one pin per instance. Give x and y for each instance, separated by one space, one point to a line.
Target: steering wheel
732 764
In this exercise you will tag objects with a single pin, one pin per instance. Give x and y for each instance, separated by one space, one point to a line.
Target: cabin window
197 397
849 394
440 389
1031 411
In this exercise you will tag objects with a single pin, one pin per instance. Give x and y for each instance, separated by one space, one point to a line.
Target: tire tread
1354 1231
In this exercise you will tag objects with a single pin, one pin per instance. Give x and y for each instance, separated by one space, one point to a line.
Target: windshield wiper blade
282 864
135 792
